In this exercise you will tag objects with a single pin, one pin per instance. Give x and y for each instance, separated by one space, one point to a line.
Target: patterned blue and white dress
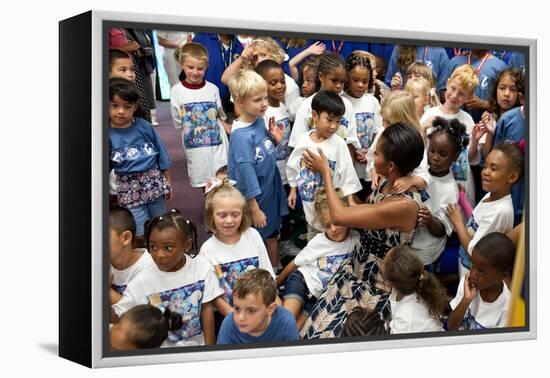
357 282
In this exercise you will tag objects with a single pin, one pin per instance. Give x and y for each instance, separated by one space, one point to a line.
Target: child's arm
168 176
455 216
277 133
222 306
315 49
456 317
258 215
489 121
291 267
433 224
473 148
402 184
291 200
246 56
207 323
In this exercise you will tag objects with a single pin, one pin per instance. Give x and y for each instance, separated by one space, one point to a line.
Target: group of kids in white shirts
174 293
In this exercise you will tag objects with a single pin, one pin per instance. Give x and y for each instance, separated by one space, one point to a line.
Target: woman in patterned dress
388 219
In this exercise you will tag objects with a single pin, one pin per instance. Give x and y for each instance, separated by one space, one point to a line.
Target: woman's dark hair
514 154
266 65
150 325
455 131
405 272
173 219
518 77
360 61
364 322
330 61
328 102
406 55
499 250
403 145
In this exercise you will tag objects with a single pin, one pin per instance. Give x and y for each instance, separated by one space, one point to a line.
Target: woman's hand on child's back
316 162
361 156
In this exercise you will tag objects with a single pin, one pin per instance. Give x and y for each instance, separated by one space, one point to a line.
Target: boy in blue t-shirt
256 317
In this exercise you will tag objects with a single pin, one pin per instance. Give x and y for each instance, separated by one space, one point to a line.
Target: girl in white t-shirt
482 298
495 212
235 247
367 114
417 298
183 283
312 269
445 142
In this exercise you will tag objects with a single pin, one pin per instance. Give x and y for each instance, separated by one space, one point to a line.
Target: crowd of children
251 124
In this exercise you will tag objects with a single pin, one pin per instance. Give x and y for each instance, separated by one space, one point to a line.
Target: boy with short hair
121 65
196 109
126 261
256 317
326 110
252 160
483 297
460 89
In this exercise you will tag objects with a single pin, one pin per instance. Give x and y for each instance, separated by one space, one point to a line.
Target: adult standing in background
172 41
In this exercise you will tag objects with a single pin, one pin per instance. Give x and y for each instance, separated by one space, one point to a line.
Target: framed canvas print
258 190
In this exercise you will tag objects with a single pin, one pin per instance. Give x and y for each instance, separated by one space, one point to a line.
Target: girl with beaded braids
446 140
179 280
366 109
417 298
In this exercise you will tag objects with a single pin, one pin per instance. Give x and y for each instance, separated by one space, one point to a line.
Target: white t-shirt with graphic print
411 314
322 257
308 182
196 112
304 123
481 314
121 278
183 291
229 261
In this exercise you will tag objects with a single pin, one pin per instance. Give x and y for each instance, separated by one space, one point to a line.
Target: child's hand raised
454 214
396 81
470 290
248 55
478 131
277 133
489 122
317 48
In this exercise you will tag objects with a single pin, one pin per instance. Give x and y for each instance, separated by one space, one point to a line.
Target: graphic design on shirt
266 148
200 124
465 258
186 301
229 272
281 151
119 288
133 152
309 181
483 82
460 166
328 265
365 128
470 322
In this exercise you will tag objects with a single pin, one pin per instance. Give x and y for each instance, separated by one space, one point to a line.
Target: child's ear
271 308
188 244
126 237
514 177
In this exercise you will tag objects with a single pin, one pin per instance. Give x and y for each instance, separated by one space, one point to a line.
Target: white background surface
28 324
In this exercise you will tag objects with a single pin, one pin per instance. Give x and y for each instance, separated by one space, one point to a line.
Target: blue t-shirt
434 57
218 58
136 149
511 127
382 50
282 328
517 60
344 48
291 52
252 164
